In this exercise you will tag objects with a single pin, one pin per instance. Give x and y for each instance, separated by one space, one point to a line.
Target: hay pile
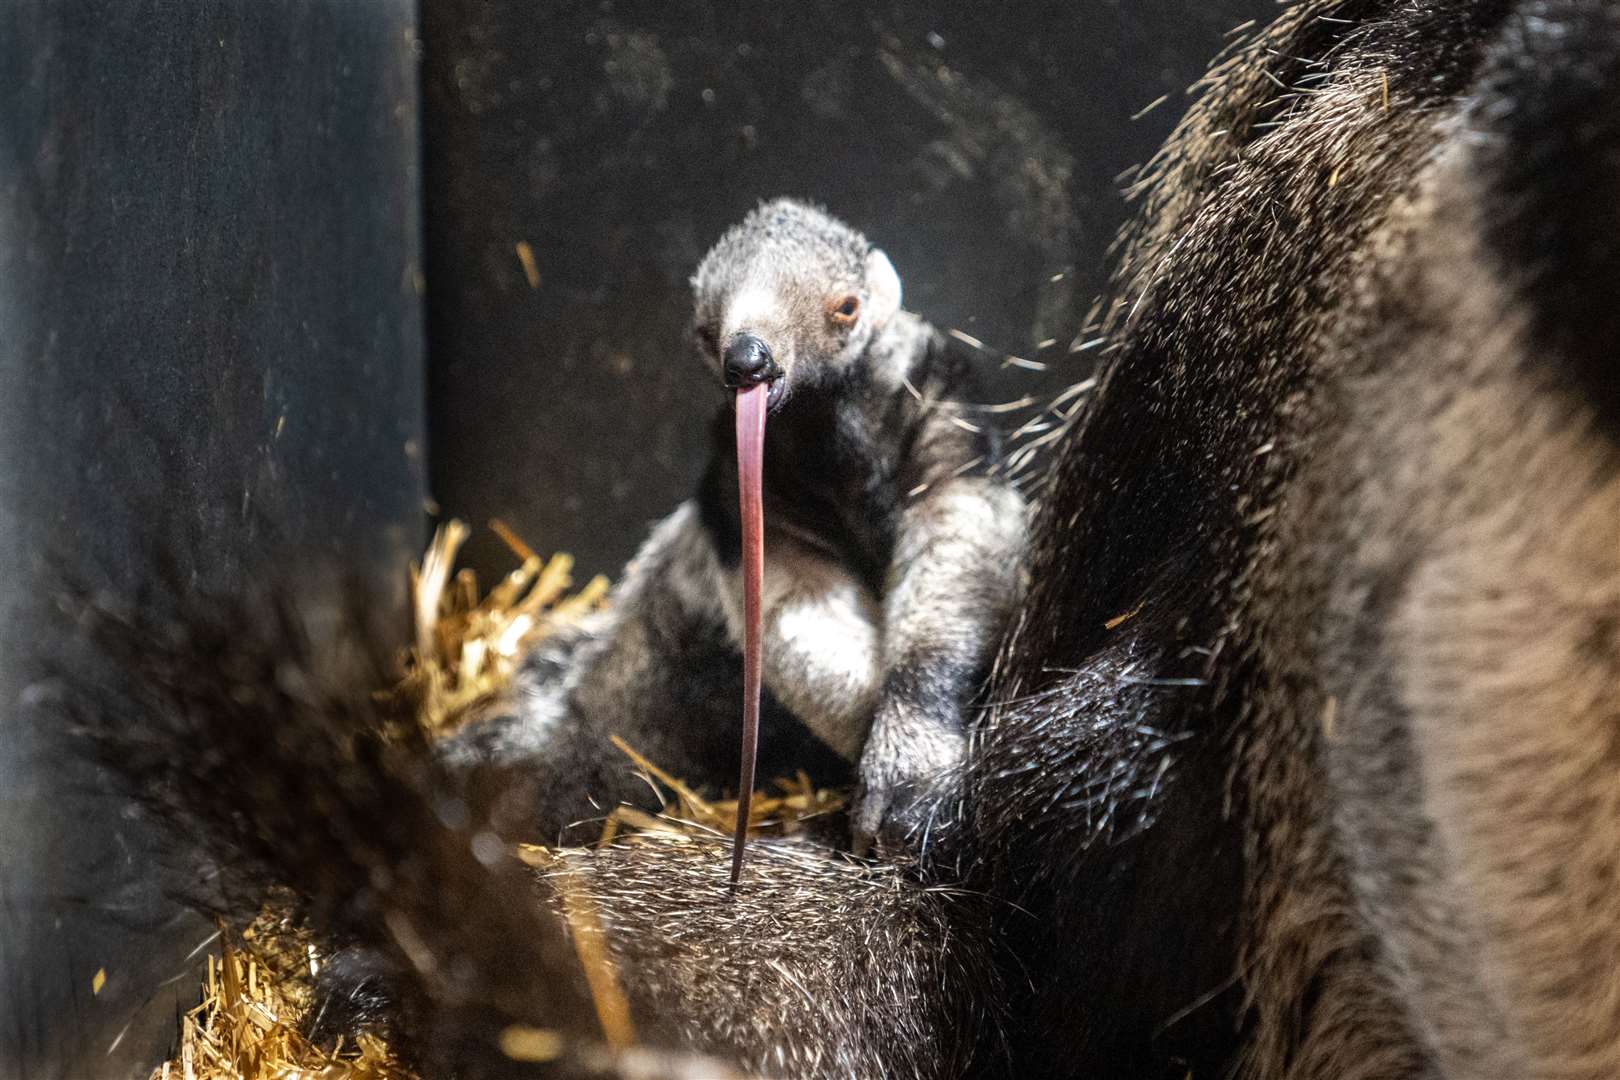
247 1025
686 812
466 649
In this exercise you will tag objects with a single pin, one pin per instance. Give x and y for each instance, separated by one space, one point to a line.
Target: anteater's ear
882 289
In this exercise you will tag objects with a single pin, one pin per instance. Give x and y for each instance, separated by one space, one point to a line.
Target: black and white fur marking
893 556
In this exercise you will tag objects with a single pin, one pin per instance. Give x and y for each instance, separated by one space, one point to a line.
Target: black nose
746 361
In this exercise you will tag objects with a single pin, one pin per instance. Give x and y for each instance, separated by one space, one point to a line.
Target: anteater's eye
842 310
708 338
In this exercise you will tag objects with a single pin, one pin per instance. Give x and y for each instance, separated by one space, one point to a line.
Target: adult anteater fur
1301 762
1337 799
217 712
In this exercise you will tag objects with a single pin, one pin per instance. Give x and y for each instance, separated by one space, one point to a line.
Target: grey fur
866 973
892 557
1338 798
774 275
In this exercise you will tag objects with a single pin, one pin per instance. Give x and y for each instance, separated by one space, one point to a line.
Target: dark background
209 330
223 227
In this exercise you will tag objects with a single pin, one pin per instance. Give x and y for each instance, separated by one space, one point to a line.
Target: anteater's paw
910 780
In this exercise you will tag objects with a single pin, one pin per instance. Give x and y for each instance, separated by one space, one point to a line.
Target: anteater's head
790 297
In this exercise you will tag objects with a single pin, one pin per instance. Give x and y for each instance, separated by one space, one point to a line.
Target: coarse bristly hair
269 767
1323 622
821 966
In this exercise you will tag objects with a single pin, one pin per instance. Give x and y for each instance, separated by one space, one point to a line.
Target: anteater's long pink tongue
750 465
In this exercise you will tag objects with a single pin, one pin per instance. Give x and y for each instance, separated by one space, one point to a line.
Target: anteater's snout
747 361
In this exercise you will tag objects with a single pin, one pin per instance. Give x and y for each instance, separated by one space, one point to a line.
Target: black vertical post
209 309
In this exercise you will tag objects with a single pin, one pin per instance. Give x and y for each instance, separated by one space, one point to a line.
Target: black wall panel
209 313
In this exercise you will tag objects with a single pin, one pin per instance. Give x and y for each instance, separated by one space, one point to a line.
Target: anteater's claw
910 783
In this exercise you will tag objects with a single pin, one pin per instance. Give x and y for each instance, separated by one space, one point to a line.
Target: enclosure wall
209 328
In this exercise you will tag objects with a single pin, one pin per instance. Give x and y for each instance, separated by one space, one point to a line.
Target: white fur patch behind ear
882 288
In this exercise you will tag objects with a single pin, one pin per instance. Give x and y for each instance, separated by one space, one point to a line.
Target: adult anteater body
1306 765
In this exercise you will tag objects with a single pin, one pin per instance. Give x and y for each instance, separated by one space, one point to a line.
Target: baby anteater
894 552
